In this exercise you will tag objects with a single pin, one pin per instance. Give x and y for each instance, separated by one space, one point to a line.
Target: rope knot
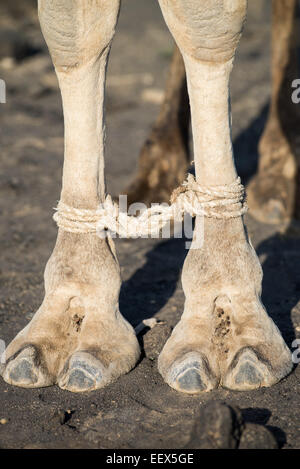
221 202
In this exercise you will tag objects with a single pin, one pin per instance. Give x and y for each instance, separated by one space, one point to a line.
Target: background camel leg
164 157
272 191
225 336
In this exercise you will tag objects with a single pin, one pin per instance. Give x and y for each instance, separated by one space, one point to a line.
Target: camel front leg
78 339
225 336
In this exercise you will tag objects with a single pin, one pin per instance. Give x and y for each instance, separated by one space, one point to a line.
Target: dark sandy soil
138 411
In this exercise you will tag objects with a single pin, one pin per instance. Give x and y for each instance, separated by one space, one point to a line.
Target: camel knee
77 32
209 30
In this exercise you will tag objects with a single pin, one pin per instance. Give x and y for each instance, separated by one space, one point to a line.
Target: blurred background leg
164 157
272 192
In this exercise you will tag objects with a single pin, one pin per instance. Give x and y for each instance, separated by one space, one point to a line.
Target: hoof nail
78 379
84 373
22 370
191 375
247 372
190 380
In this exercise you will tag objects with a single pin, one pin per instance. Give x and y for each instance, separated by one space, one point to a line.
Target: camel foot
78 338
225 337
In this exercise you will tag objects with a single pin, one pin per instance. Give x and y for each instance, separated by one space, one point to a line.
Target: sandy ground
140 410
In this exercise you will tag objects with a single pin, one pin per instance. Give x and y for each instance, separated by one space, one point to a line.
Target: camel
78 338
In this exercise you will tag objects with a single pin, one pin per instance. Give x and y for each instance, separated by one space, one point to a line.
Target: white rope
221 202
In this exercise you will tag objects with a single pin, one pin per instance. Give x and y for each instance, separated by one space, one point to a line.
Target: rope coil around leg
220 202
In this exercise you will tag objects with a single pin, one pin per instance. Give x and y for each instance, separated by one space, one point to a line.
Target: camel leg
164 157
272 192
77 339
225 336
